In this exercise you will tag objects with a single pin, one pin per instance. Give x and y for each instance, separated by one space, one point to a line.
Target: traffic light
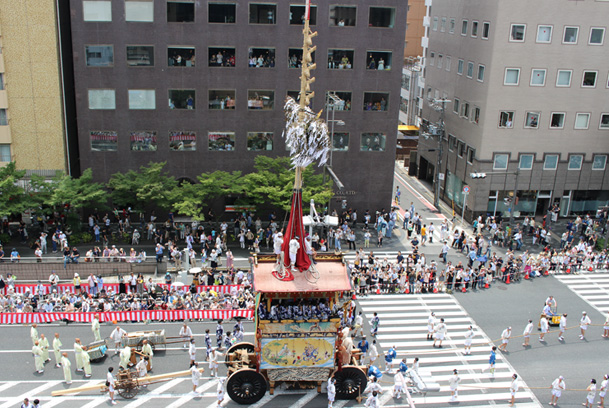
477 175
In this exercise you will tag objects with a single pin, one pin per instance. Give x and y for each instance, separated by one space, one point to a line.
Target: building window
182 141
340 59
486 29
456 105
512 76
99 55
376 101
582 120
434 26
550 162
532 120
345 100
261 58
460 67
373 142
432 58
1 81
563 78
604 124
141 11
597 35
570 35
5 153
599 162
103 141
258 99
474 29
464 27
343 16
221 57
506 119
340 141
575 162
481 69
461 149
500 162
544 33
465 110
260 141
221 99
443 24
448 62
221 141
97 11
476 115
222 13
140 55
379 60
182 99
142 99
102 99
4 117
181 57
143 141
526 162
517 32
452 143
470 69
538 77
589 79
297 15
451 26
440 61
557 121
295 58
471 155
263 13
406 82
382 17
180 12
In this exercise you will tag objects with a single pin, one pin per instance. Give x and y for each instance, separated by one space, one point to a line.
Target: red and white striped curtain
68 287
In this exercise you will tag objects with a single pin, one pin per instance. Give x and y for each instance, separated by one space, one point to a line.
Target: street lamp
511 201
439 105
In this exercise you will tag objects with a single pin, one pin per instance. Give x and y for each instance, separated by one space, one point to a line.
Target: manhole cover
502 287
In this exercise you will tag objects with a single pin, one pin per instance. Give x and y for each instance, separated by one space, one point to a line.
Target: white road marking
16 400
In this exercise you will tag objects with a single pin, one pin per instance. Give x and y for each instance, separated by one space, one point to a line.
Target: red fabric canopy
296 228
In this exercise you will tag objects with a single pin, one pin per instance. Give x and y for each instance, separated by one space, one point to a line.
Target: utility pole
439 105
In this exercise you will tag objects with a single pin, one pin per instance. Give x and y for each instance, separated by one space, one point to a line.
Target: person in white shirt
220 391
213 361
558 386
95 328
513 388
469 335
57 350
454 384
562 327
111 383
591 394
505 338
331 391
277 243
294 247
527 333
34 333
358 323
38 361
606 328
192 352
373 352
603 390
66 366
399 385
372 401
117 335
543 325
440 333
373 386
431 320
141 367
195 376
583 325
185 334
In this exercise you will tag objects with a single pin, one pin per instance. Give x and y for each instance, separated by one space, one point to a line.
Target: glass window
99 55
460 148
182 140
140 55
142 99
258 99
471 155
557 121
340 141
452 143
297 15
221 141
460 67
465 110
97 11
344 102
604 121
181 57
464 27
141 11
376 101
295 58
221 57
544 33
221 99
143 141
500 162
261 58
102 99
443 24
382 17
599 162
1 81
506 119
481 69
582 120
5 153
343 16
103 141
476 115
434 25
259 141
379 60
575 162
432 58
451 26
440 61
538 77
589 79
182 99
563 78
570 36
526 162
550 162
512 76
474 28
532 120
4 117
597 35
373 142
456 104
180 12
517 32
448 62
486 28
470 69
263 13
222 13
340 59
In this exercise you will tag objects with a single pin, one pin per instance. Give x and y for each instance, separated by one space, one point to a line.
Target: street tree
13 199
78 192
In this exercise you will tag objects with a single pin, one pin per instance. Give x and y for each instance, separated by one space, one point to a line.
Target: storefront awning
407 127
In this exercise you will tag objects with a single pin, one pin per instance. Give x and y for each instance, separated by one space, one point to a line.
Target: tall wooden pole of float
305 78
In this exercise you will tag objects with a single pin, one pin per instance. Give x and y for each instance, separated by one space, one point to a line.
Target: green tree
13 199
78 192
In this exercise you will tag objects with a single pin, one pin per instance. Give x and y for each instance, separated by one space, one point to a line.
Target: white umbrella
194 271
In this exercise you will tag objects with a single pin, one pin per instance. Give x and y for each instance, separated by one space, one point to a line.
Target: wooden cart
156 339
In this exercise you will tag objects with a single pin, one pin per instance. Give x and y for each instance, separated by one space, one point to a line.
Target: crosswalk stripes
403 323
592 287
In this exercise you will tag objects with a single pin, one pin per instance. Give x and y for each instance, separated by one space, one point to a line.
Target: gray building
529 104
201 85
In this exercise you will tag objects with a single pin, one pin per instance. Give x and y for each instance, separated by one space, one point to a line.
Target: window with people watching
340 59
221 99
181 56
376 101
221 57
261 58
295 57
258 99
182 99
